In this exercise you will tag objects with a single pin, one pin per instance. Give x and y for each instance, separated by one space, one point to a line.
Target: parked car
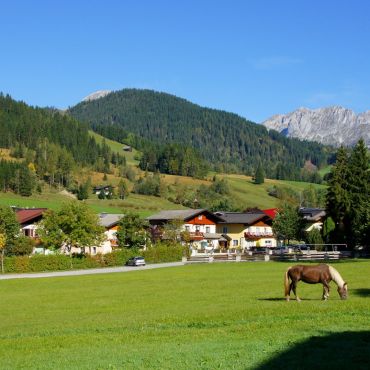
301 248
136 261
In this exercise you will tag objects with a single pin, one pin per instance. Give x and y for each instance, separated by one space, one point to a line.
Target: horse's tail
286 282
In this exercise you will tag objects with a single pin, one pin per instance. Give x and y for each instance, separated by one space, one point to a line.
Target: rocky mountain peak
330 125
97 95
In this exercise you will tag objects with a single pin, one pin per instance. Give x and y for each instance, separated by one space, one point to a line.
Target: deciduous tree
74 225
132 231
287 224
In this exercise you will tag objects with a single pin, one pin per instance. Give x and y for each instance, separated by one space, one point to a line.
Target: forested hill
227 141
47 136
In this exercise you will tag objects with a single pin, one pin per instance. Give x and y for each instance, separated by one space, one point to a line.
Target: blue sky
254 58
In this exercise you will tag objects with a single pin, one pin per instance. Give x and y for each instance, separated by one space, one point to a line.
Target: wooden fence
262 256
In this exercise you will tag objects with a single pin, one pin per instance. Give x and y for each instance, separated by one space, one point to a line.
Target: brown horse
323 274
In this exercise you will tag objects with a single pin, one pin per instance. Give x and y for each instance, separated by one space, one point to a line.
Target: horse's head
343 291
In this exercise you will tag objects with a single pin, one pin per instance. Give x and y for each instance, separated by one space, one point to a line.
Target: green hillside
226 141
242 191
45 146
115 146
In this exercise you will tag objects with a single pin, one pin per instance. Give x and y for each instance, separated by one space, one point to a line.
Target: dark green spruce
226 141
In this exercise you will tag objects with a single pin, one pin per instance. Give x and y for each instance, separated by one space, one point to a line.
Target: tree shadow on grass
347 350
362 292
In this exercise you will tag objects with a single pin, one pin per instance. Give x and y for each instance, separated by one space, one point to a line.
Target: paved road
106 270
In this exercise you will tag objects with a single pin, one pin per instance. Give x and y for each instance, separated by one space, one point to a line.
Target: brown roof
246 218
29 214
183 215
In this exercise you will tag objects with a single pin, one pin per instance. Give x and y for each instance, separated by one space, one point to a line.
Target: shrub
22 246
162 252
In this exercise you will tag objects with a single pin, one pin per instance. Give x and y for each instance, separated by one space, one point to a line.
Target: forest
48 144
226 141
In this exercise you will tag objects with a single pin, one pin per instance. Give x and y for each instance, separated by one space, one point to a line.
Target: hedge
60 262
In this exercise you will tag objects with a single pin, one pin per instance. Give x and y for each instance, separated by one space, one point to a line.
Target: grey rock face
332 126
97 95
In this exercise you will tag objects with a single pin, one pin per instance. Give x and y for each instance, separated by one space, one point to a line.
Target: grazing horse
323 274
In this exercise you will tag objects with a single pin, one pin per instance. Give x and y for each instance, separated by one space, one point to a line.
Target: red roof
271 212
29 214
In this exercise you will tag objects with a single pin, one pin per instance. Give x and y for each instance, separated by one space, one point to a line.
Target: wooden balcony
258 235
196 236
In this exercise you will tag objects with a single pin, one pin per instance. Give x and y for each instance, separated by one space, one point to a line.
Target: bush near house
161 252
60 262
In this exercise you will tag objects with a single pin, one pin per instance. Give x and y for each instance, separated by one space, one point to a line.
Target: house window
208 229
224 230
187 227
94 250
197 228
235 243
82 249
200 217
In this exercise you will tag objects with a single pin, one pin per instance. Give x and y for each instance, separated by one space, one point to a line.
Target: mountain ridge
334 125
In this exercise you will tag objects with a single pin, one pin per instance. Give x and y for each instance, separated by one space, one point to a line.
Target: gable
201 219
29 215
261 224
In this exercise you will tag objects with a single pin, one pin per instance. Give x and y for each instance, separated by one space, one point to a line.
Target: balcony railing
258 234
197 235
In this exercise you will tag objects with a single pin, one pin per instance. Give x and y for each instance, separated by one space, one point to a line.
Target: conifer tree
338 199
359 193
259 177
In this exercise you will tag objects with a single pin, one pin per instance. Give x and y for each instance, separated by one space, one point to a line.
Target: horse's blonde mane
335 275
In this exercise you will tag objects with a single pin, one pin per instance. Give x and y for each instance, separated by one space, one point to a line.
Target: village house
127 148
199 223
247 229
28 219
105 189
110 222
314 218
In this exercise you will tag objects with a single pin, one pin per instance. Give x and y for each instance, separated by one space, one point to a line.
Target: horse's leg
287 297
294 287
326 289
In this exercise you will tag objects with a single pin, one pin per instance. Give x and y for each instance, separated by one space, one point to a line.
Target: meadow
144 205
207 316
242 190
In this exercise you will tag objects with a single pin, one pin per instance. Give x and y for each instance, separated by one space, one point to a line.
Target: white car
136 261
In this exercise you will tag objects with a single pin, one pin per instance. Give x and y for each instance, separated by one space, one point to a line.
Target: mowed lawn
208 316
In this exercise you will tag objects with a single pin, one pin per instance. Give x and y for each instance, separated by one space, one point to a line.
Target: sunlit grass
197 316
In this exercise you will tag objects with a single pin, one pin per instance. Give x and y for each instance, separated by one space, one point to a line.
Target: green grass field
142 204
117 147
208 316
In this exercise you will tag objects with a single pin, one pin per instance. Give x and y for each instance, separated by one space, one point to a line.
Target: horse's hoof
298 300
287 299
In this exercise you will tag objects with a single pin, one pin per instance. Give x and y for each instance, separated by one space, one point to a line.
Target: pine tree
359 193
338 199
259 177
26 182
